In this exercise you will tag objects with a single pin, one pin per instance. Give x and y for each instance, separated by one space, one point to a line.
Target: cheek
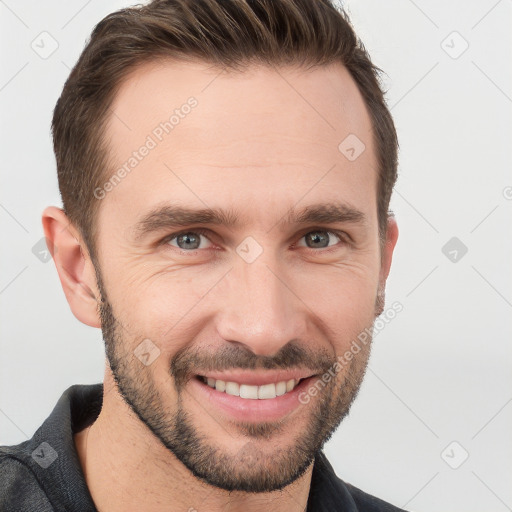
171 304
159 302
344 299
348 289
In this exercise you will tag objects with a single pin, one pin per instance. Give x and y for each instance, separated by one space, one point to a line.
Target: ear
74 266
385 266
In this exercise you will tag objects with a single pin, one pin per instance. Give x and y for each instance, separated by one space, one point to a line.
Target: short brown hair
227 33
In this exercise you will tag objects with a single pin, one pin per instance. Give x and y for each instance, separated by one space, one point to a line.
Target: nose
260 308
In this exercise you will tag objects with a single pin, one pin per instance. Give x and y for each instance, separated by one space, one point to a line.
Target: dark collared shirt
44 473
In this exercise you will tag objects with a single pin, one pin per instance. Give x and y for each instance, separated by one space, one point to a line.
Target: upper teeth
246 391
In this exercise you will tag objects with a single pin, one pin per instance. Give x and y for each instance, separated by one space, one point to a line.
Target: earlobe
74 266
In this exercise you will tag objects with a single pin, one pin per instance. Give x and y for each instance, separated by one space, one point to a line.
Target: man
226 168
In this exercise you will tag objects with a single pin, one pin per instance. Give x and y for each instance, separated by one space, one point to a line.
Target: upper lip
258 377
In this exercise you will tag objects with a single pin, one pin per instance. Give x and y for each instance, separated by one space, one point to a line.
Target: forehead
197 134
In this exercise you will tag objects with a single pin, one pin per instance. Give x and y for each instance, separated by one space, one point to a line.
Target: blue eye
188 240
320 239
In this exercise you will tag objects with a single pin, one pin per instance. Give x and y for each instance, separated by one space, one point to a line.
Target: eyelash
344 237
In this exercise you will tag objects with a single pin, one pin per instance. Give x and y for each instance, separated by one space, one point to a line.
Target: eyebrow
170 216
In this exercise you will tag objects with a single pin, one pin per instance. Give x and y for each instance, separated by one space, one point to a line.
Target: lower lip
253 410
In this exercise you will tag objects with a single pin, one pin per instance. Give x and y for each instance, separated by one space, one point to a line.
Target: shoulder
19 486
329 492
368 503
43 473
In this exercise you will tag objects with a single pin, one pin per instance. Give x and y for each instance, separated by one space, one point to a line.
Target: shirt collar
77 408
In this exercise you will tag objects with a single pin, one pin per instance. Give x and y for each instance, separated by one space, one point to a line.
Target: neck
127 468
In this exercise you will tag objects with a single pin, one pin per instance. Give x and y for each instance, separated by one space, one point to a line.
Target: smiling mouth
250 392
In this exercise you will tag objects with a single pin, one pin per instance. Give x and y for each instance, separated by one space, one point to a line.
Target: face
238 255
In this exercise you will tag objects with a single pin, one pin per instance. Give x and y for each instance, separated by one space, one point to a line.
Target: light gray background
441 370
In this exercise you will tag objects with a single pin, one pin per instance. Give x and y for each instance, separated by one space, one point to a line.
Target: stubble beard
252 469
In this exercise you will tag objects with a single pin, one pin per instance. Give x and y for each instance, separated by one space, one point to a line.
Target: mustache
189 362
